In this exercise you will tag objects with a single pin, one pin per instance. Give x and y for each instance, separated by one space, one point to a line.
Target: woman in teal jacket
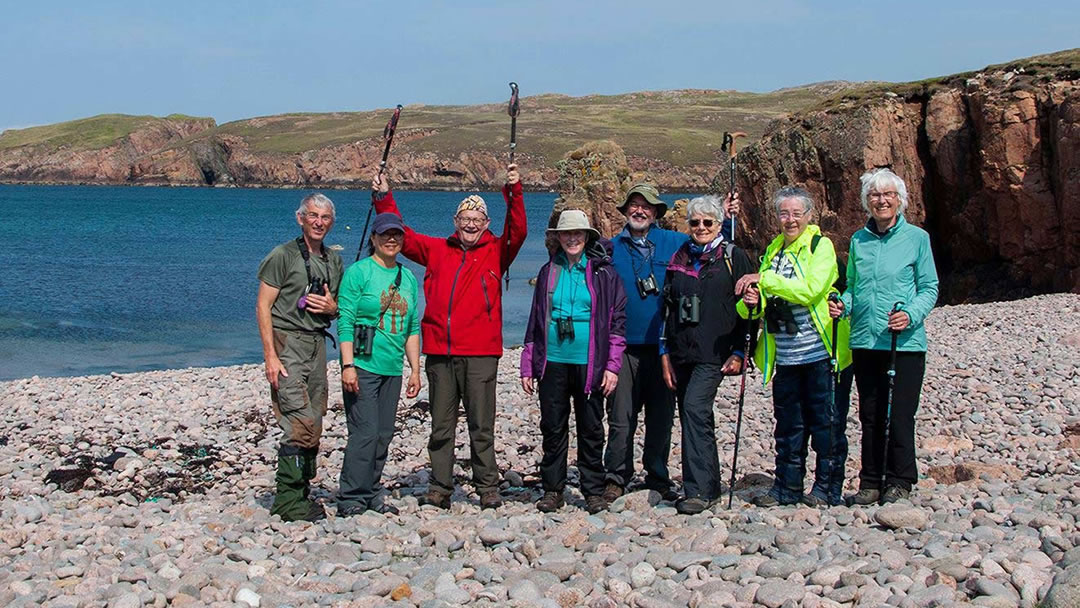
889 264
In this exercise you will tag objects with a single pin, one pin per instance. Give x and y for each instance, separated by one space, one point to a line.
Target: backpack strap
814 241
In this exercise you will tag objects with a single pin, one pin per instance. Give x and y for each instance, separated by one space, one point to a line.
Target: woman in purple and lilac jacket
573 351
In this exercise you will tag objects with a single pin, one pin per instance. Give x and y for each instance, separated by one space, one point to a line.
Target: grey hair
317 200
710 205
794 192
876 178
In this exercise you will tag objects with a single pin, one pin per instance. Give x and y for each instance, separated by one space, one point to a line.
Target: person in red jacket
462 329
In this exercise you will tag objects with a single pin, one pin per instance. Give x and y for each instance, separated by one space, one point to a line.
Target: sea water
99 278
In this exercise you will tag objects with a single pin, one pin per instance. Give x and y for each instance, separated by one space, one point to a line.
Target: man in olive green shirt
298 284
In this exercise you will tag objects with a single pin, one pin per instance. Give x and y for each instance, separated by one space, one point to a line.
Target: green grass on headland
91 133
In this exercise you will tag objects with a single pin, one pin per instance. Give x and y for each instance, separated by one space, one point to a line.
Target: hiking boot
668 494
813 500
766 500
595 504
350 510
865 496
691 506
436 498
385 509
893 494
611 492
490 500
550 502
315 512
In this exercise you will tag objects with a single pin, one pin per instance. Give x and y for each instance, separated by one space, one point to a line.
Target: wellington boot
310 467
291 502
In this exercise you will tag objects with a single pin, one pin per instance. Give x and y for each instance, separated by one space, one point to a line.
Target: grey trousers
471 382
641 386
369 417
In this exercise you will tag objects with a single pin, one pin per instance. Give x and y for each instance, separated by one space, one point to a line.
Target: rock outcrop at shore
152 489
991 161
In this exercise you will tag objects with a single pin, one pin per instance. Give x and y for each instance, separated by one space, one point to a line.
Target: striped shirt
804 346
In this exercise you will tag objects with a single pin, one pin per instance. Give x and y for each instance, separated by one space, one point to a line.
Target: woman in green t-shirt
378 324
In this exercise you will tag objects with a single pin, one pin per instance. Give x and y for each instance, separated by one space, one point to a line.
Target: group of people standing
624 329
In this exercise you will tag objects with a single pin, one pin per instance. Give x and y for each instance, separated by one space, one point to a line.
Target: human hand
751 297
745 281
528 385
668 371
412 387
349 380
380 184
732 366
611 379
836 309
274 368
732 204
321 305
899 321
512 175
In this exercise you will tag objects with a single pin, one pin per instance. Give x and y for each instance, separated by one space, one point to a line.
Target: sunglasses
695 223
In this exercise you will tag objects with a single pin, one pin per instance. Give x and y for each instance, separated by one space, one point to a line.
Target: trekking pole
888 402
388 135
834 369
728 146
750 326
512 109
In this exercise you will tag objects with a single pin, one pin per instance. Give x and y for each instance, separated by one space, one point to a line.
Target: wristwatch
345 366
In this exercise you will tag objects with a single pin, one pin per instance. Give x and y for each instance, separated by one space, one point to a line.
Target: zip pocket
484 288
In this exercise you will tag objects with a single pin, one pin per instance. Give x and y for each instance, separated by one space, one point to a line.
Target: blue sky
236 59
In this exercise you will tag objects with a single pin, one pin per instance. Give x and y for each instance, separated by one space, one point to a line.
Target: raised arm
516 226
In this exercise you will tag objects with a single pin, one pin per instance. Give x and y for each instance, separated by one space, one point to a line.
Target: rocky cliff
991 161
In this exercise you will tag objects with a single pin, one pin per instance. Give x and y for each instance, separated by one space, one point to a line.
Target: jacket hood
803 240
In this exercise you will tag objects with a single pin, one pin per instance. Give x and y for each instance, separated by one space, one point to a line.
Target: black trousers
641 386
696 385
562 384
872 381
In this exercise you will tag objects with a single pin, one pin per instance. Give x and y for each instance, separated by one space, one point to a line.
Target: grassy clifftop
680 127
91 133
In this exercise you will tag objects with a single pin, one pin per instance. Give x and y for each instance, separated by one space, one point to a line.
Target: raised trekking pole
728 146
512 109
388 136
888 401
750 327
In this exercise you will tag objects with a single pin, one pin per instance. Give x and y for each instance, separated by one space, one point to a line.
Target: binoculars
647 286
689 310
363 340
564 328
317 287
778 315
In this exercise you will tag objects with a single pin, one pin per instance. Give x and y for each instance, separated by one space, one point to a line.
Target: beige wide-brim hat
574 219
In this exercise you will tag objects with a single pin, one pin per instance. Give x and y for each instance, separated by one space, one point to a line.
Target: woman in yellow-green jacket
795 351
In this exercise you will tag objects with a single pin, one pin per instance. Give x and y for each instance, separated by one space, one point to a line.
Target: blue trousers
807 413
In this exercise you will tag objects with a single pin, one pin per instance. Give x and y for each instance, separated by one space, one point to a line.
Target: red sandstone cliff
991 161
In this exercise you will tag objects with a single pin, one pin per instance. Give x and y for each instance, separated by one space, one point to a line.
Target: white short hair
317 200
794 192
710 205
876 178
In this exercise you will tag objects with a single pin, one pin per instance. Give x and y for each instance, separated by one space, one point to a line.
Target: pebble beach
153 489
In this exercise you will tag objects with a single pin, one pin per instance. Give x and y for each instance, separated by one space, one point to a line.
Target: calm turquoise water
99 279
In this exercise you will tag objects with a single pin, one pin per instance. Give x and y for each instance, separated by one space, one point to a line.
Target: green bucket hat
651 196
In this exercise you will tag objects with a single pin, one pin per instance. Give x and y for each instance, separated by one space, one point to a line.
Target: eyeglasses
788 215
395 235
695 223
312 216
889 196
471 221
